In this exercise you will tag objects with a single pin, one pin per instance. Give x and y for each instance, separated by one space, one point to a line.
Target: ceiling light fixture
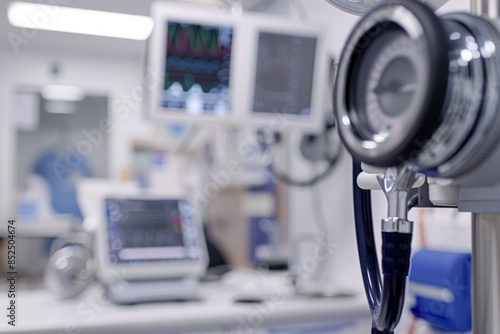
79 21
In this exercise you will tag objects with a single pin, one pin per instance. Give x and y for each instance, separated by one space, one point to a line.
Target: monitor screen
285 73
197 68
151 231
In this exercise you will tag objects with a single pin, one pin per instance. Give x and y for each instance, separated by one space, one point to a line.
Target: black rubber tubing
385 296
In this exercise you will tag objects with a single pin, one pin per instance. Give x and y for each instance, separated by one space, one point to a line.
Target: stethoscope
415 94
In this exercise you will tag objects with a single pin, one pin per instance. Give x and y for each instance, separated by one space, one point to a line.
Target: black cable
263 143
386 298
366 241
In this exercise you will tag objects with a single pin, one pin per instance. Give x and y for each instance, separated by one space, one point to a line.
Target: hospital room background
61 154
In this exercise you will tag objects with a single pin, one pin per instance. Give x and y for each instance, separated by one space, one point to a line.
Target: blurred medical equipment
441 284
288 74
200 59
71 268
314 148
417 93
150 248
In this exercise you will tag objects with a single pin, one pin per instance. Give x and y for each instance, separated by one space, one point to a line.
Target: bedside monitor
145 238
192 60
284 74
289 73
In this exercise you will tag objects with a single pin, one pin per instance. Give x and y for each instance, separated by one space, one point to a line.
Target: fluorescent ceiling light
79 21
62 93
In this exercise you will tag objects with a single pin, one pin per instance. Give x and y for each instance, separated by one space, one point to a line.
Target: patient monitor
150 247
192 58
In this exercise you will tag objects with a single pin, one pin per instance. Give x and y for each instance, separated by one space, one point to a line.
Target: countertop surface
38 311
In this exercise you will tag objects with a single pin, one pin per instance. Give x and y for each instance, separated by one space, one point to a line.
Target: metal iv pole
488 8
486 240
486 273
